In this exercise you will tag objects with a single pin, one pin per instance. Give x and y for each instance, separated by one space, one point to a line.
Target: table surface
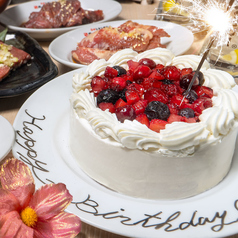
130 10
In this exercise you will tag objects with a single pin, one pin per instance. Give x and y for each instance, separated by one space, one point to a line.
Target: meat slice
11 58
62 14
111 39
103 43
84 55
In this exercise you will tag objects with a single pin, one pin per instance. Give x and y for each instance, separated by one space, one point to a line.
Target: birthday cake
168 156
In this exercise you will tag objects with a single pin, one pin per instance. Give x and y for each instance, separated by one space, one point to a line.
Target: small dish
39 70
7 137
21 13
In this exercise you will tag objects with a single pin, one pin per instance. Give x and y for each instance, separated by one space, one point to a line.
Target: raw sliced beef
62 14
103 43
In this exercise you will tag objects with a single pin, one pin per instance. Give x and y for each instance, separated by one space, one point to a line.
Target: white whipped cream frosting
178 138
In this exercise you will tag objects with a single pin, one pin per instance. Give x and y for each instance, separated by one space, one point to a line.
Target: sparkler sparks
219 15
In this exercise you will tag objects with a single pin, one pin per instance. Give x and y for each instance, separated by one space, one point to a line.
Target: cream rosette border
178 138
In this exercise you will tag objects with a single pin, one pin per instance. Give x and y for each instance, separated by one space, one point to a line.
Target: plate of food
44 142
26 67
30 17
174 37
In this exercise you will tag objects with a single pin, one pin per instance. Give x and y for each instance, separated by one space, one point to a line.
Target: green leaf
3 35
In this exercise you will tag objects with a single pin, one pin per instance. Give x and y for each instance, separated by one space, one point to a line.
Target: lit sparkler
219 17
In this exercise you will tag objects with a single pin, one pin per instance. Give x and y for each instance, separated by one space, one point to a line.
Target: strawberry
155 94
185 71
132 96
157 84
118 83
157 125
132 65
120 103
110 72
140 106
143 119
173 108
175 117
107 105
179 100
203 91
156 75
159 67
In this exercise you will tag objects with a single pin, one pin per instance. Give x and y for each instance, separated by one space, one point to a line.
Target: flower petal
66 225
63 225
16 177
8 202
11 225
50 200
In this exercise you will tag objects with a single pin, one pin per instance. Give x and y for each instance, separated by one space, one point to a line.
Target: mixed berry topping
151 93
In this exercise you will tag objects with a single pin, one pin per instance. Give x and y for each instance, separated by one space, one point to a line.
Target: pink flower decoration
27 213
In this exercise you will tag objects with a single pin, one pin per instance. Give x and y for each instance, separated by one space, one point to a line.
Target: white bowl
21 13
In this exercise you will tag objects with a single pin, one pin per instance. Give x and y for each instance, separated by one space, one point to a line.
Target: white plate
21 13
42 135
7 137
60 49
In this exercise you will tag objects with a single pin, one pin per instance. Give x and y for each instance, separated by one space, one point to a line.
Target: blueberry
107 95
191 96
119 69
187 112
157 110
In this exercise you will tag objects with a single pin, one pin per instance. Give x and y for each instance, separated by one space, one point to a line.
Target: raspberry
98 84
169 89
136 87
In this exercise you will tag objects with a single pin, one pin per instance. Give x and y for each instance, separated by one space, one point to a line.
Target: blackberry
167 81
187 112
107 95
157 110
119 69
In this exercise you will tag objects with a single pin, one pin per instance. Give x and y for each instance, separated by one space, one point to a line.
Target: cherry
148 62
125 113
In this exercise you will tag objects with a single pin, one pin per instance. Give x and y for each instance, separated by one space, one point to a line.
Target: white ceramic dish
21 14
60 49
7 137
42 128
